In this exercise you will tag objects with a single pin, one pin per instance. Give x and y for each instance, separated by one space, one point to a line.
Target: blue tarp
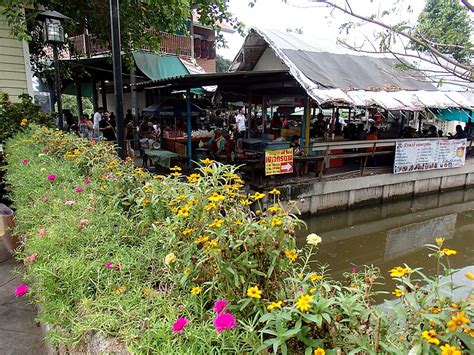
452 115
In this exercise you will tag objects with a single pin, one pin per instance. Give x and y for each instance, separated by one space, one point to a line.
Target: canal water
391 234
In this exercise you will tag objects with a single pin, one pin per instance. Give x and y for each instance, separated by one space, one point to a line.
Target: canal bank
317 195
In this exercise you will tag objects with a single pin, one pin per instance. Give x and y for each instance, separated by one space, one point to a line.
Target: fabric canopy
452 115
158 67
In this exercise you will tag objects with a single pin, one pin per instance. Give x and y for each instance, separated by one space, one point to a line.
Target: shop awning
452 115
158 67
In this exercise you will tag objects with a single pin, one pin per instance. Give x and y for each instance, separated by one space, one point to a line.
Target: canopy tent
172 109
452 115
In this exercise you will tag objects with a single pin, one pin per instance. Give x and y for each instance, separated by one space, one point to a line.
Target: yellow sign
278 161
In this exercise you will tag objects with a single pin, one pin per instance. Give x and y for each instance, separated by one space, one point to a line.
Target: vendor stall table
160 157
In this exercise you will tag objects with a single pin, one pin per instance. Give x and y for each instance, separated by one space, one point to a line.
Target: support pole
57 87
117 65
104 93
79 99
95 99
188 125
307 124
264 114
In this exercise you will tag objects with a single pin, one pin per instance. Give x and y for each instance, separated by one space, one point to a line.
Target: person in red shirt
372 136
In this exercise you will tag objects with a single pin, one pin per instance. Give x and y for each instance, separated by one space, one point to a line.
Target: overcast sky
317 23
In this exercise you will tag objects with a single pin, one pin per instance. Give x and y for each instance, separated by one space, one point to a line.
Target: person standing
107 128
96 122
241 124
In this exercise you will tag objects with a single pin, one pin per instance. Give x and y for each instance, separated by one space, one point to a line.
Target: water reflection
395 233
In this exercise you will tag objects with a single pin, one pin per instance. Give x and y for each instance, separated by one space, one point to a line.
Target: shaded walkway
19 333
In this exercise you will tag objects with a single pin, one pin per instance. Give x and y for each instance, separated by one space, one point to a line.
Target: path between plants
19 333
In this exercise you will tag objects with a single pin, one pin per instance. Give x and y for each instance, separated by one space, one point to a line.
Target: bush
183 264
17 116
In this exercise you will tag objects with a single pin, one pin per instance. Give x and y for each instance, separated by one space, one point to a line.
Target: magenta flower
219 306
353 270
179 324
52 177
79 189
42 232
21 290
70 202
83 222
33 257
45 149
109 265
45 198
105 175
86 182
224 321
25 161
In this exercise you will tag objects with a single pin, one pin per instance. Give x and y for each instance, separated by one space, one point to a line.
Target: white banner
418 155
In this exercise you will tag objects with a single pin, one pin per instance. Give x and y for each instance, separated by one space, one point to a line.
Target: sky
318 24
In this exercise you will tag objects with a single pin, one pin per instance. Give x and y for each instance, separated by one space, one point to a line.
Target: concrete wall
15 72
339 194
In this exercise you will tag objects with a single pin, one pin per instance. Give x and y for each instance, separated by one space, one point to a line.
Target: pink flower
45 149
86 182
353 270
45 198
25 161
83 222
179 324
219 306
33 257
224 321
79 189
109 265
42 232
52 177
70 202
128 159
105 175
21 290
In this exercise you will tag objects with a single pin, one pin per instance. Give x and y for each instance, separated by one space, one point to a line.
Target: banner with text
278 161
418 155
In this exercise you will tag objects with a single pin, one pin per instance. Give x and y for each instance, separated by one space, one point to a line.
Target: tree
446 26
70 103
222 64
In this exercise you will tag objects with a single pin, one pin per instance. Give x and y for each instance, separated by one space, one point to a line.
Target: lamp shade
53 26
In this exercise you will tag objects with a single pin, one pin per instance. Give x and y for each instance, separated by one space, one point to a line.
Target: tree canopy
445 24
222 64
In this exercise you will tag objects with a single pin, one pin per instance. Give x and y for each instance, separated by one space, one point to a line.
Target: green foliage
17 116
446 26
129 253
70 103
222 64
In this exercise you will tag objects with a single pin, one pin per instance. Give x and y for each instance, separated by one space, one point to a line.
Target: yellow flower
469 275
274 192
207 161
319 351
206 170
186 271
257 196
439 241
120 290
201 240
304 303
435 309
238 223
469 331
447 349
276 222
212 244
457 321
274 209
398 292
399 271
447 252
170 259
217 223
291 254
156 177
313 239
274 305
175 168
215 197
315 277
196 290
430 336
245 202
181 198
184 211
210 207
187 231
254 292
193 178
176 174
146 202
149 292
24 122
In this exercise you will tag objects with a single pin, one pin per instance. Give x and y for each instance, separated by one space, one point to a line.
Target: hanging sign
418 155
278 161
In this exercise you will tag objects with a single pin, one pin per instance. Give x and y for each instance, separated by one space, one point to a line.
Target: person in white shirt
97 118
240 121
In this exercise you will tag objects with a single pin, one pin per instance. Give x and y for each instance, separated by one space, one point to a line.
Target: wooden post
188 125
264 114
307 124
104 94
79 99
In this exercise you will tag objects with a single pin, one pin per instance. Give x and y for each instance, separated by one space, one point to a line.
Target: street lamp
53 34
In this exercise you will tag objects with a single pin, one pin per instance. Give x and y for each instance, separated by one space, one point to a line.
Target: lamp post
53 34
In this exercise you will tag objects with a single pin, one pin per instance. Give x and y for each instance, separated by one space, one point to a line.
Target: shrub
184 264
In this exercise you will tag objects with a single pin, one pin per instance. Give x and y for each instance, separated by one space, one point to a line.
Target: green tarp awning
452 115
159 66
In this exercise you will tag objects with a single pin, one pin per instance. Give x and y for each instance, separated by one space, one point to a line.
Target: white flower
170 259
313 239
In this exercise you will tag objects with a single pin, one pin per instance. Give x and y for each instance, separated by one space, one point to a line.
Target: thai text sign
418 155
278 161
